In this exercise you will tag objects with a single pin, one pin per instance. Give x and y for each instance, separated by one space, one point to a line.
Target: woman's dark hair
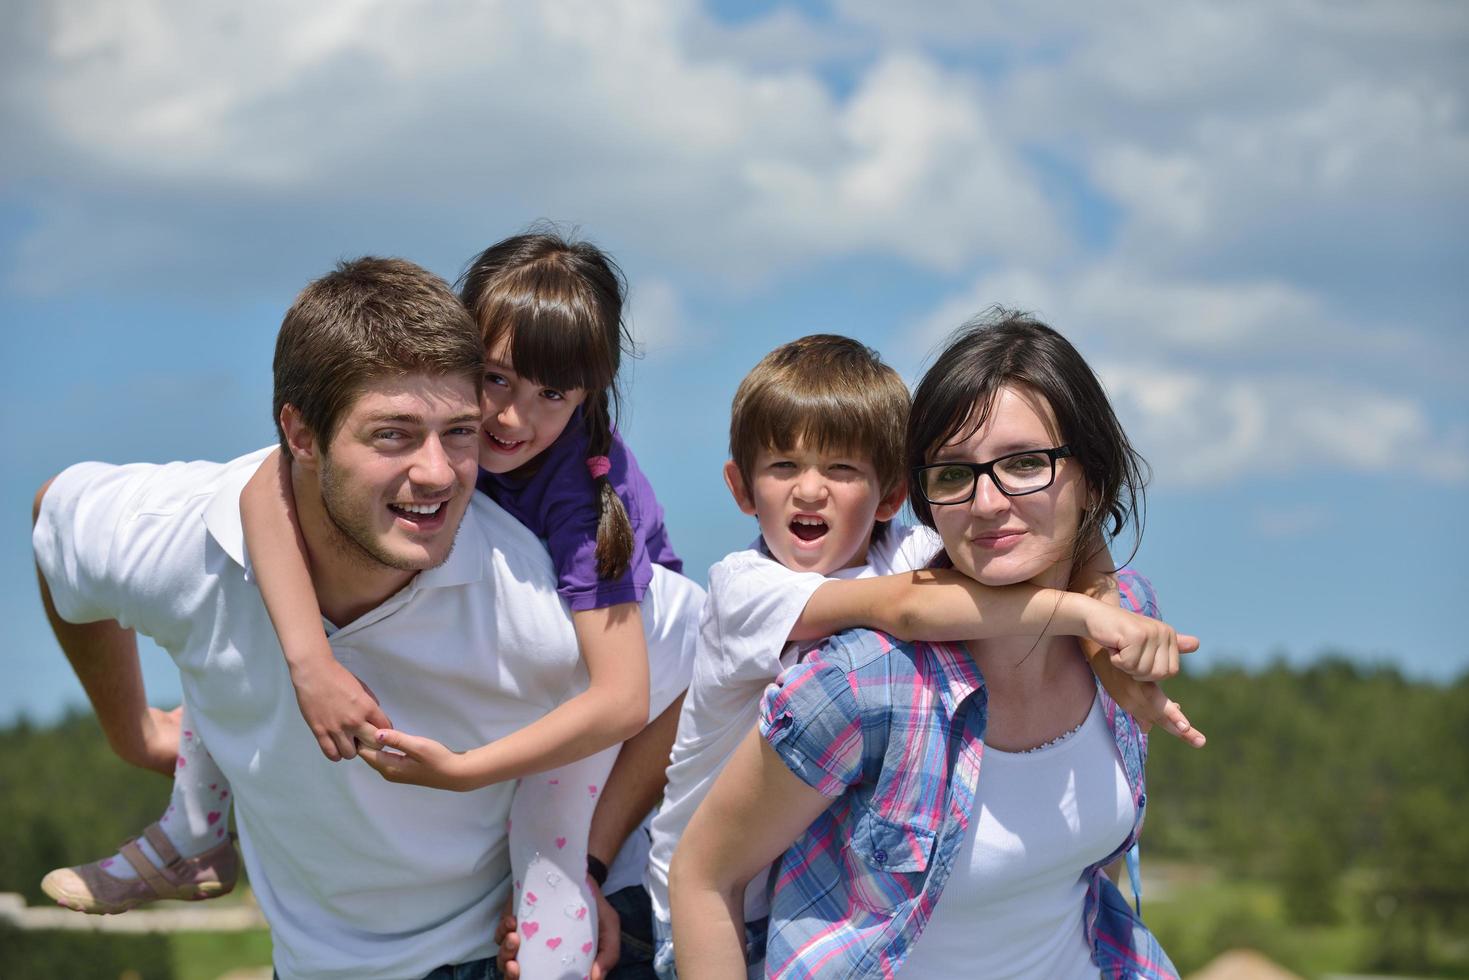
559 302
1003 347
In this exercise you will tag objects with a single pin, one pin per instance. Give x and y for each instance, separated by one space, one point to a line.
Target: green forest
1324 825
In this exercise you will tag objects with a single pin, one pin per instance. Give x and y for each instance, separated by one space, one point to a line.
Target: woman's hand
417 761
1144 700
338 707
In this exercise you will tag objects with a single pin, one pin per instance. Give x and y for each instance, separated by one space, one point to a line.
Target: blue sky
1252 217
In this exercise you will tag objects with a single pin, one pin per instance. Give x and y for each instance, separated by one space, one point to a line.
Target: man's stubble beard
354 539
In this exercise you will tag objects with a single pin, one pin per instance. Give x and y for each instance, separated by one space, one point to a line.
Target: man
434 597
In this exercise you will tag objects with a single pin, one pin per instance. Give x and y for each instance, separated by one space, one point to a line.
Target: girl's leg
187 854
197 817
548 857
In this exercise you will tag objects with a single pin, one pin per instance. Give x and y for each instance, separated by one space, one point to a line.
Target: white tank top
1013 906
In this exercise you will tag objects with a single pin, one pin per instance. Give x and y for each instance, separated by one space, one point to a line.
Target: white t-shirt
1013 907
754 602
358 877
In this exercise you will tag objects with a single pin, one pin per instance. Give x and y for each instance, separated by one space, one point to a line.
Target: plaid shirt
893 731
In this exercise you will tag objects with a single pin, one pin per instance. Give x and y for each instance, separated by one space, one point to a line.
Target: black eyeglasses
1014 475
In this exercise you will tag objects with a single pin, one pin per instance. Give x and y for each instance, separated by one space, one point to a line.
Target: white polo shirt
357 877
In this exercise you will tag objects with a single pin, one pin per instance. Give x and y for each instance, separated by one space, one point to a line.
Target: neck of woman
1024 666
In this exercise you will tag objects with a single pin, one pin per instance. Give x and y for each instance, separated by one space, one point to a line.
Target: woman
867 762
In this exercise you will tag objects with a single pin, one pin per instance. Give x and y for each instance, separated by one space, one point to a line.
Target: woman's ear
738 489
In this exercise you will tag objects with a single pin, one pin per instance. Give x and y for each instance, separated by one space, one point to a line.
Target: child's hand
339 709
1144 648
1145 701
417 761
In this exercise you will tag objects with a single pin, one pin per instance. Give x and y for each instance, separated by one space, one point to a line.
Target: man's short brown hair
366 320
823 392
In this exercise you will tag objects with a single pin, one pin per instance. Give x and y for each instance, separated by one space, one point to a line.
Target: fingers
1178 724
504 927
1187 644
376 719
404 743
343 744
328 747
388 764
509 948
1154 708
609 936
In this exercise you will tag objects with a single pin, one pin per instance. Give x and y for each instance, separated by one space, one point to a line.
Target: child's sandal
89 888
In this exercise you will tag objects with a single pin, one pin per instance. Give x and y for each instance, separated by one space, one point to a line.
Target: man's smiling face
400 468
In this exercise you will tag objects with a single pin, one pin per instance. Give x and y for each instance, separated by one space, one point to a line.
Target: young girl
551 313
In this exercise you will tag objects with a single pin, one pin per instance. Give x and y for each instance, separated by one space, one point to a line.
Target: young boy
816 439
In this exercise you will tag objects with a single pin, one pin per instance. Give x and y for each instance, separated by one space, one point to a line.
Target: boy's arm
614 707
338 708
941 605
1126 650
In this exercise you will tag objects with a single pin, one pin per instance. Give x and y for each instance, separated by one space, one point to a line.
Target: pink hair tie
598 466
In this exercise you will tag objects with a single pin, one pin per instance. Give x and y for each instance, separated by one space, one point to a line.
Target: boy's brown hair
368 319
825 392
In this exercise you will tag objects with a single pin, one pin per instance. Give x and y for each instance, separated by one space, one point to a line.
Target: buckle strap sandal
89 888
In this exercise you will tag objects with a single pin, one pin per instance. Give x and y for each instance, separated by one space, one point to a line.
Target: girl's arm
755 810
612 709
338 708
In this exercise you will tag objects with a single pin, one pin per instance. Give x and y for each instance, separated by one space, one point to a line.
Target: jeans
636 911
636 962
474 970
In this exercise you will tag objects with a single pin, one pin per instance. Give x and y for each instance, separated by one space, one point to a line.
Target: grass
1202 914
209 955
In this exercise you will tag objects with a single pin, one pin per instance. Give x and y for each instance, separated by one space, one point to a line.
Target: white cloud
1201 428
601 112
656 316
1218 382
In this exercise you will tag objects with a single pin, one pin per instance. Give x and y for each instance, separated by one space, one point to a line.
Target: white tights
198 814
549 820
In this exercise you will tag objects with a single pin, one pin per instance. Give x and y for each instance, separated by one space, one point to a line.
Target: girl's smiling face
1000 540
521 419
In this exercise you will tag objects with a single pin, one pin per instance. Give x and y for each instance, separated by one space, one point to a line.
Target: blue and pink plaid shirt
893 732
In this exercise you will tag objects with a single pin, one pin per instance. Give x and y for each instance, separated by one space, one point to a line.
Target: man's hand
157 747
339 709
1144 700
609 938
1144 648
417 761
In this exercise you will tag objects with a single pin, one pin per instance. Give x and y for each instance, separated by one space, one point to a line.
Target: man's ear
299 437
892 503
735 480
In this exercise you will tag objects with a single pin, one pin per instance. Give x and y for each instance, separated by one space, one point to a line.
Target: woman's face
1000 540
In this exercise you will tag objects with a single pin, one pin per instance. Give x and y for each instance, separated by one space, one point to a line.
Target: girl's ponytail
614 530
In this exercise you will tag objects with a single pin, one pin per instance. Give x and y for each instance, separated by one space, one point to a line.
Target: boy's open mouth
808 528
